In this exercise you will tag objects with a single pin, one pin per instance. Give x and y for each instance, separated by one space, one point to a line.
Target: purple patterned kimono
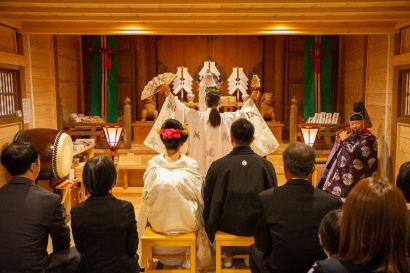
349 161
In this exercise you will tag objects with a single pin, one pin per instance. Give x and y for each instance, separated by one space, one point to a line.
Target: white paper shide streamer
183 82
237 82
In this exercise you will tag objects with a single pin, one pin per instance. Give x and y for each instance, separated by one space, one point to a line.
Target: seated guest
329 231
104 228
373 231
286 239
172 200
403 180
29 215
232 185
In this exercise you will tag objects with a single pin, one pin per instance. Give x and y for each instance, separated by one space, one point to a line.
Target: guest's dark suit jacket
232 185
287 233
105 232
28 215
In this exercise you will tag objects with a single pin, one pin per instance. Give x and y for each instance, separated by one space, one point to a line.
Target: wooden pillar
293 123
127 123
279 75
60 115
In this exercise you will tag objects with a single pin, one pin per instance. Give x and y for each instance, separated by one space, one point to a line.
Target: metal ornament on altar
54 147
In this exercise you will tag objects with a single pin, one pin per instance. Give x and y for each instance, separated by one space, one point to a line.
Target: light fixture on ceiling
133 30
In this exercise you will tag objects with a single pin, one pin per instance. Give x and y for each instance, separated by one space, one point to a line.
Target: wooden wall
378 95
353 72
8 41
9 59
40 81
278 60
68 73
401 132
126 72
403 145
294 75
227 51
405 40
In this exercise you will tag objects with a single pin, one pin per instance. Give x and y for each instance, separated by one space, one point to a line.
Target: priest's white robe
172 203
207 144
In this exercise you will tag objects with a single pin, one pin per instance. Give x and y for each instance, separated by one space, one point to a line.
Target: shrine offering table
128 162
85 130
276 128
141 130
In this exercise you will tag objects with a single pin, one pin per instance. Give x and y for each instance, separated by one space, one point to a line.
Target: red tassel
108 62
317 65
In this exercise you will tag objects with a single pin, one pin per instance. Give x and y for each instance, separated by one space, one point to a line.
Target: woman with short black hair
104 227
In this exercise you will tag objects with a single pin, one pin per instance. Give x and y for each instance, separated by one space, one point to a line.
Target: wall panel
8 42
353 65
226 51
379 95
39 54
68 72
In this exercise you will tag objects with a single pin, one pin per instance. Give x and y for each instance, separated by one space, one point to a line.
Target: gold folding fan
153 86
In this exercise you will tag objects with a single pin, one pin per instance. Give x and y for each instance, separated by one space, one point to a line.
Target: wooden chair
151 239
226 239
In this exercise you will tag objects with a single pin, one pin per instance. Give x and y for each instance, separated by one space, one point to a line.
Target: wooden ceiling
206 17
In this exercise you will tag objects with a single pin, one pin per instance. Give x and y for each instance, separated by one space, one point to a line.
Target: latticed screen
405 91
8 93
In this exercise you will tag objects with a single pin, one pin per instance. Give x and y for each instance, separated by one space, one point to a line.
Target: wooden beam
403 24
208 28
127 2
10 58
10 23
401 59
206 19
240 10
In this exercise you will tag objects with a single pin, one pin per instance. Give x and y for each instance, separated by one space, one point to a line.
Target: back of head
18 157
403 180
242 131
299 159
212 101
99 175
329 231
173 134
374 226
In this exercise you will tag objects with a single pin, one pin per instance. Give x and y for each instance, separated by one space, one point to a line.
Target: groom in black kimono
232 186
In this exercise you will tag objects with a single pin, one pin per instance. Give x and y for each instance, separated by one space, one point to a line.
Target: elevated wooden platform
135 175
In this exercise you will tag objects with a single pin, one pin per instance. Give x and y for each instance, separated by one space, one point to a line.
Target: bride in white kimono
209 139
172 200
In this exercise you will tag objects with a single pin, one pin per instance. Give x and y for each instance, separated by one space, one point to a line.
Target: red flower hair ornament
170 133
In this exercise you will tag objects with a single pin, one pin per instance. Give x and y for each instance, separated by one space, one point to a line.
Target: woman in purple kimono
353 157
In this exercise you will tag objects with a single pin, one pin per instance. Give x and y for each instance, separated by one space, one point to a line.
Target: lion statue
267 107
149 111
